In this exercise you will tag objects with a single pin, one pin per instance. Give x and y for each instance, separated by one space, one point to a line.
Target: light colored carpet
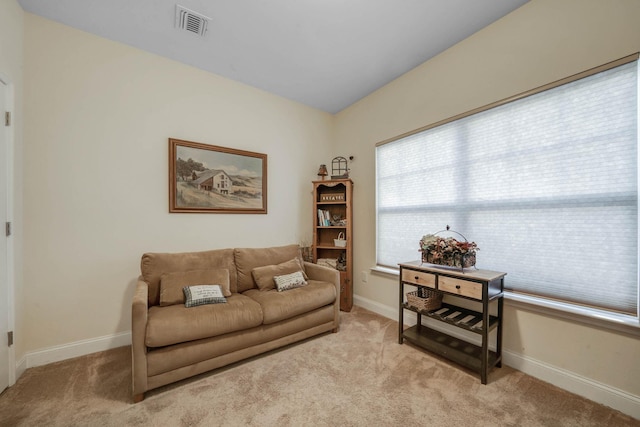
360 376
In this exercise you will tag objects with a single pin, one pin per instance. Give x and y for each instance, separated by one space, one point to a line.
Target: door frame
9 132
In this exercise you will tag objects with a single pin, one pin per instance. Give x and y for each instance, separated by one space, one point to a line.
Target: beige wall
11 68
540 42
98 115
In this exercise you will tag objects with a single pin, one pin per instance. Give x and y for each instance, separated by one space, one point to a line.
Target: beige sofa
171 342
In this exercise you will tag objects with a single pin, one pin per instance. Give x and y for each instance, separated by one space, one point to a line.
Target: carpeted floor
360 376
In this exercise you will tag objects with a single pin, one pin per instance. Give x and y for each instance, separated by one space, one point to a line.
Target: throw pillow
203 294
289 281
171 284
263 276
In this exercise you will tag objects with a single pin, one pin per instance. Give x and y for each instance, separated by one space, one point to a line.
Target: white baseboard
586 387
376 307
75 349
21 366
615 398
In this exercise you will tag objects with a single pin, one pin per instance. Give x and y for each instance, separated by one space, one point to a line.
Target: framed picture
210 179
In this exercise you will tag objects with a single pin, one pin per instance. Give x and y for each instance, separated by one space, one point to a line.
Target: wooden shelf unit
335 196
482 286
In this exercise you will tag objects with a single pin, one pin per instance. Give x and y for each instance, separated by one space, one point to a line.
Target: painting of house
213 180
209 178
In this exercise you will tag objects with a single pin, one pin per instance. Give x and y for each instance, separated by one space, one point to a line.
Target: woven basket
425 299
453 260
340 242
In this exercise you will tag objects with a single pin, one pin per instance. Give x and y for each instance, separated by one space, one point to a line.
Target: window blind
546 185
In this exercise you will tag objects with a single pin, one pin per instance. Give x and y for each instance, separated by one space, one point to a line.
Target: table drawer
460 287
419 278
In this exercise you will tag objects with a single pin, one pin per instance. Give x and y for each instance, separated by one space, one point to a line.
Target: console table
482 286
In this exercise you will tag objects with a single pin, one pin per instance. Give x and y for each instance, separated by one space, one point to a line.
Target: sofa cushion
176 323
277 306
154 265
263 276
171 284
249 258
237 345
203 294
289 281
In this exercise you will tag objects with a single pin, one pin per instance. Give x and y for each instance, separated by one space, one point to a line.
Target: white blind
547 186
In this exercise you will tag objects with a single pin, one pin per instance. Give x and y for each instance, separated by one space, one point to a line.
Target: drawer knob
457 286
417 278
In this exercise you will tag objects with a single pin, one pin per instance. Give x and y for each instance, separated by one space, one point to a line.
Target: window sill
591 316
618 322
386 271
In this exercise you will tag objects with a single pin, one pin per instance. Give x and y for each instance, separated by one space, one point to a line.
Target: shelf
332 205
454 349
447 310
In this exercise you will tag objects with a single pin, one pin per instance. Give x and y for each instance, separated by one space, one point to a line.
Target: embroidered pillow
289 281
263 276
203 294
171 284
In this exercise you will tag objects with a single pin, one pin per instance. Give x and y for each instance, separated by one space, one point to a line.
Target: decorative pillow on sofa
263 276
289 281
203 294
171 284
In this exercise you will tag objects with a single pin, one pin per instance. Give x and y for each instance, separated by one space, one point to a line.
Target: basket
455 260
328 262
425 299
448 251
340 242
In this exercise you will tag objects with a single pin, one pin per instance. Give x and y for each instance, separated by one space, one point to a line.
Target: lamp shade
322 171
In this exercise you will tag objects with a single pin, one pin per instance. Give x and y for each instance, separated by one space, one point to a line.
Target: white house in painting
212 180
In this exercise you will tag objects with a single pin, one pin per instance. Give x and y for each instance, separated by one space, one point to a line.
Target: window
546 185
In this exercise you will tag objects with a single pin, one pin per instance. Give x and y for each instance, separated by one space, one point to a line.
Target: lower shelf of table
455 315
454 349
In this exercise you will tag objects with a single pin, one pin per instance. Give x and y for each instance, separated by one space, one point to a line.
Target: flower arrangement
448 251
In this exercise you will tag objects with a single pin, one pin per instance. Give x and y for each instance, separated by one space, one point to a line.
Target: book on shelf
324 218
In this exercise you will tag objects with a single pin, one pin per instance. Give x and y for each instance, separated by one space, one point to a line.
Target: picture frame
207 178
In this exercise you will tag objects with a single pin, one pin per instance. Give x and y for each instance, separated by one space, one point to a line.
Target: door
4 240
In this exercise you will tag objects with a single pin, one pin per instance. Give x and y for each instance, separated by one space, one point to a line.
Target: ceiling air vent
188 20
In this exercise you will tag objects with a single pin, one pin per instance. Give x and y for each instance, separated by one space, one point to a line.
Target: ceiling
326 54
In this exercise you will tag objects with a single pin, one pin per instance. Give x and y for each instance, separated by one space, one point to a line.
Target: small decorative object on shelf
448 251
328 262
338 221
332 197
341 263
340 242
322 172
339 168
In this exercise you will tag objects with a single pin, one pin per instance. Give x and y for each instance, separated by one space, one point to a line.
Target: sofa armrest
139 312
325 274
